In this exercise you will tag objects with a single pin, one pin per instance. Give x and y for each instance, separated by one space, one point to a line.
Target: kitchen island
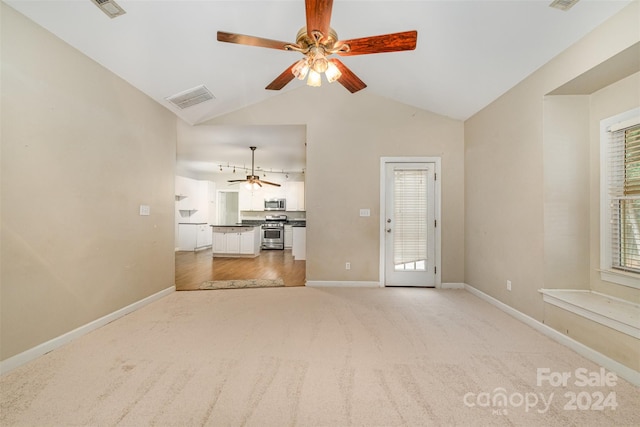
240 241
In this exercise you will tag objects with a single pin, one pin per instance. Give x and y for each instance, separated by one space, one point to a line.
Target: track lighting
232 168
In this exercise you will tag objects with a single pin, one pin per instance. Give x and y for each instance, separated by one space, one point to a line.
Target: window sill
618 314
631 280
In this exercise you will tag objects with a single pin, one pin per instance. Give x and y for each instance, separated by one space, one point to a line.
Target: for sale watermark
589 396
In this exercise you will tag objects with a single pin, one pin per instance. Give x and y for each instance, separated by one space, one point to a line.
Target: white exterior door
409 224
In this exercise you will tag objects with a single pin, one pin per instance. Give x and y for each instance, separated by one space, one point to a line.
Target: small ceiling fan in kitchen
317 41
253 180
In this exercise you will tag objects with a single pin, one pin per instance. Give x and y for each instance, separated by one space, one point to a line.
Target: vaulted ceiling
468 52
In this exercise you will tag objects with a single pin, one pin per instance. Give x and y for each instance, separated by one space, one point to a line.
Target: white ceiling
468 52
207 149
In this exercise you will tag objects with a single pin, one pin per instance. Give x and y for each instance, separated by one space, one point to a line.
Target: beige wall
81 150
347 134
614 344
566 191
505 180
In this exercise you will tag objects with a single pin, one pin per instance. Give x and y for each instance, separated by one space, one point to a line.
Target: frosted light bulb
332 73
314 79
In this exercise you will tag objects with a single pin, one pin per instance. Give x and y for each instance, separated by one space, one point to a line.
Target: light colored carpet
239 284
310 357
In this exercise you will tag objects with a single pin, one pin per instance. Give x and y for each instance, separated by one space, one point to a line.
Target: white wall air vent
109 7
563 4
191 97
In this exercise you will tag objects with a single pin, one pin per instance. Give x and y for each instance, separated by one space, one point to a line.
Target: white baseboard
342 284
365 284
452 286
606 362
41 349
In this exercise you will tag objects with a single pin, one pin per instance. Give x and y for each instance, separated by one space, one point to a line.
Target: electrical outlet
347 266
508 285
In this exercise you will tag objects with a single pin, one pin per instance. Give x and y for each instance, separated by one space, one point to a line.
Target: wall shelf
621 315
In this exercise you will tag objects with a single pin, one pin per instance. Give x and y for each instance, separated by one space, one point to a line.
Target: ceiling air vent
563 4
110 7
191 97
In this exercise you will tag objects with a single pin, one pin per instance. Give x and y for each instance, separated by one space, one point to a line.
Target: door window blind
624 197
410 212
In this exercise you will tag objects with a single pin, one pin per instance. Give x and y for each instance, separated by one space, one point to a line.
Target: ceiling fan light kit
315 62
317 41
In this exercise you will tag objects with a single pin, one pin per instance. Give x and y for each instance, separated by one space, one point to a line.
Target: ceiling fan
317 41
253 180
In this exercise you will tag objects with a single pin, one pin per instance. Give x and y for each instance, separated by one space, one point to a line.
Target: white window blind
624 197
410 210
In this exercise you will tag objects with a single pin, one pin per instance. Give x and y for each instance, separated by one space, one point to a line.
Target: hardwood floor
193 268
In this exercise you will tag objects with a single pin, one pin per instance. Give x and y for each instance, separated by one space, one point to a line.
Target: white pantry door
409 224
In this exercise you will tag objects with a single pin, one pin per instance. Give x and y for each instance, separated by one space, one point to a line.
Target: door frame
438 202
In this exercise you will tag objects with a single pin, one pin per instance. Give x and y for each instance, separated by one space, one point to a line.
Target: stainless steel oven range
273 232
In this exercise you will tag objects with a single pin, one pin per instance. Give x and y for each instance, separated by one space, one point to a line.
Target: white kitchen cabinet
232 243
219 242
288 236
203 237
236 241
192 237
294 193
244 199
247 241
250 200
273 192
299 248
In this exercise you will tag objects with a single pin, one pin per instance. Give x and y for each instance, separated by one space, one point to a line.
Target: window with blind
620 230
410 210
624 194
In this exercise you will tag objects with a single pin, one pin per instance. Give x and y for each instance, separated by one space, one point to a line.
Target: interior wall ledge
623 371
615 313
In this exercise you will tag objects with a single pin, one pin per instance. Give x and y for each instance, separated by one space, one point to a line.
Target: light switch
145 210
365 212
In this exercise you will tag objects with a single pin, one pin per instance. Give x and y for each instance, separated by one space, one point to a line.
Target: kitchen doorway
410 237
228 207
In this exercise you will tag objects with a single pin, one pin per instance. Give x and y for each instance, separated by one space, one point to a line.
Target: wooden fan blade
270 183
282 80
318 16
251 40
348 79
378 44
236 180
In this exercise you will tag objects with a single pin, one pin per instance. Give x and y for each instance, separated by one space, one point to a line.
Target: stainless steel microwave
275 204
